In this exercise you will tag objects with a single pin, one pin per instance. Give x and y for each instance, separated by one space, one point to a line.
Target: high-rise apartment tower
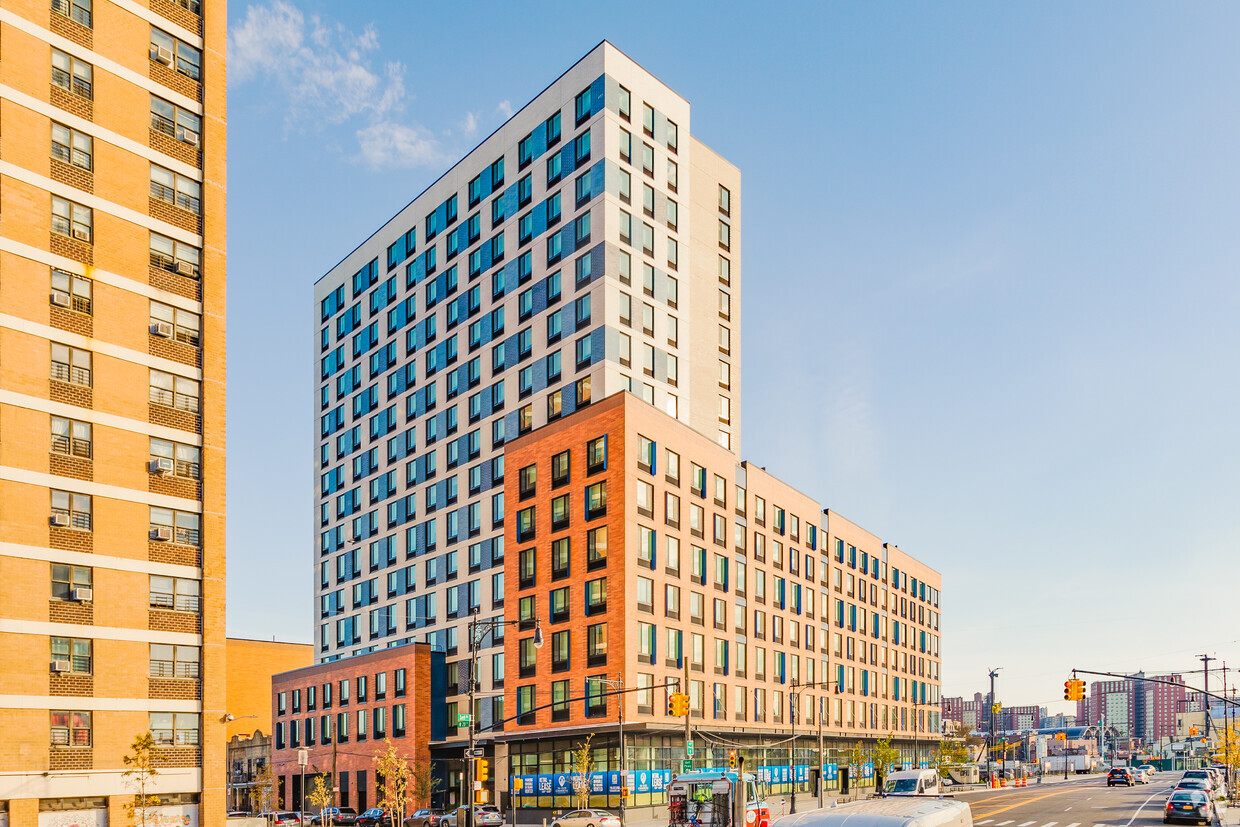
589 245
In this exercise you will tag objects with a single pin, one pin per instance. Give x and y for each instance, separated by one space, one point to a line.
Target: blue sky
991 259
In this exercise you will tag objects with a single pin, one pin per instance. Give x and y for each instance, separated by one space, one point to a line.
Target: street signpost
462 719
686 765
689 748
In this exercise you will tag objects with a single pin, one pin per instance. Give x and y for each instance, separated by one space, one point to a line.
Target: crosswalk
1011 821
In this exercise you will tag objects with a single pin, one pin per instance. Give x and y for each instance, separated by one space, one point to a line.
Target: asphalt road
1077 803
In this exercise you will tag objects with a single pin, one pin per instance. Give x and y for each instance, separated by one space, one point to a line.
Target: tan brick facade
106 632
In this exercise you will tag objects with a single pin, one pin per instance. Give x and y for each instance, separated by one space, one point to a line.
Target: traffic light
678 705
1192 730
1074 690
482 769
732 759
996 708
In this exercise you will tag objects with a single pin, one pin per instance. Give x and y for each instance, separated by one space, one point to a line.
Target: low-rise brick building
341 712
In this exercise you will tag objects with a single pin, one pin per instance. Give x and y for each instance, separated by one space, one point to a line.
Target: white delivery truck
902 811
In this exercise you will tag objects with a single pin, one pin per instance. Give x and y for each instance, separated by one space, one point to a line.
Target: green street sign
462 719
689 748
686 765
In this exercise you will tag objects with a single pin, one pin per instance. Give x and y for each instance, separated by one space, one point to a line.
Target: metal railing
176 602
74 375
77 519
174 669
179 401
71 446
163 192
185 468
161 124
179 737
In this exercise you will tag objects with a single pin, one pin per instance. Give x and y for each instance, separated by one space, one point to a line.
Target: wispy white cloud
387 145
469 127
330 75
504 108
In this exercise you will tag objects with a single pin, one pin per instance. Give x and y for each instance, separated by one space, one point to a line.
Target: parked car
424 818
1189 805
1201 784
374 817
1219 774
282 817
1121 775
587 818
339 815
485 815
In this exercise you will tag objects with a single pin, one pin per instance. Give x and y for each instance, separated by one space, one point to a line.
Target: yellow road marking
990 813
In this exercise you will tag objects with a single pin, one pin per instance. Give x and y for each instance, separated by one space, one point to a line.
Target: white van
913 782
886 812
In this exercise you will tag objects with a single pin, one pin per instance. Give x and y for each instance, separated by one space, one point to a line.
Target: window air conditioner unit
164 55
61 666
184 268
162 466
81 234
162 534
161 329
191 137
60 298
61 520
82 595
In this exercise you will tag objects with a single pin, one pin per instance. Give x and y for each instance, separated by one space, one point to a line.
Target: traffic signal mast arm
1225 700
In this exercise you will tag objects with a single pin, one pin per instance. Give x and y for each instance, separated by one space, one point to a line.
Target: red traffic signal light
732 758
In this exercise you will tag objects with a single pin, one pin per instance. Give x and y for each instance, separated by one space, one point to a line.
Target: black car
374 817
1189 805
1121 775
424 818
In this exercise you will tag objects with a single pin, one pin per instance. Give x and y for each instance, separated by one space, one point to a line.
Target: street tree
422 783
322 796
583 768
392 782
265 794
139 777
884 756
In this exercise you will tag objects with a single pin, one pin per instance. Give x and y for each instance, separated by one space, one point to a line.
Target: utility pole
822 766
794 696
990 750
1205 660
689 713
331 725
618 684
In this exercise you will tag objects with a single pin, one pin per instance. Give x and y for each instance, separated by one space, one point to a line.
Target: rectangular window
168 322
71 438
72 75
169 458
72 220
71 510
175 122
72 147
176 189
173 391
175 54
175 728
174 256
70 728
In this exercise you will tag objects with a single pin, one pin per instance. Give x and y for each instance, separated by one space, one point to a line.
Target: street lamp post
795 695
478 630
618 684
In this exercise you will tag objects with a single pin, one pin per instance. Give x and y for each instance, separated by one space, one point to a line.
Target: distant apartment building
974 713
112 406
1058 721
1020 718
1135 708
580 271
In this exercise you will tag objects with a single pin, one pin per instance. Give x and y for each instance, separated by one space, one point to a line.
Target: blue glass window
583 106
553 129
525 150
525 190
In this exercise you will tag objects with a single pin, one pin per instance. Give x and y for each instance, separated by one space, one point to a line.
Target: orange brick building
649 554
112 405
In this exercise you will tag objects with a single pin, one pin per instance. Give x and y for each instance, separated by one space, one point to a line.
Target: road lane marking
1019 803
1004 823
1050 824
1027 823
